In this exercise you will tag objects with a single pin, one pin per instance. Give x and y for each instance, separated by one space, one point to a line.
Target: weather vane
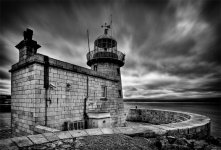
106 27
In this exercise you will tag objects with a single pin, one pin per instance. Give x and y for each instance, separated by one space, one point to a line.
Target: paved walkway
137 124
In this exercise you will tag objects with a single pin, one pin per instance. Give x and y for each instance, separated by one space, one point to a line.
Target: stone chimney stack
27 47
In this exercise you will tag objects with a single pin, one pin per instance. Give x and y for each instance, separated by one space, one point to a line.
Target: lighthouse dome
105 41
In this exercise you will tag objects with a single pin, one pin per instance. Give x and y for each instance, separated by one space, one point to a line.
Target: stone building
64 96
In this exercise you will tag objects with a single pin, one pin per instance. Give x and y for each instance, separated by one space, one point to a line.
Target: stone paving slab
37 139
63 135
107 130
78 133
95 131
116 131
22 141
7 144
126 130
50 136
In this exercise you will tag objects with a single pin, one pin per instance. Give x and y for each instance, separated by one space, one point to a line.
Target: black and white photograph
110 74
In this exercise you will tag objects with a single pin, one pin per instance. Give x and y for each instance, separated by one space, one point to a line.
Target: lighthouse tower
105 57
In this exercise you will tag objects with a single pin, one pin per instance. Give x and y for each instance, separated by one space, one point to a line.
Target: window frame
103 92
120 94
95 67
118 71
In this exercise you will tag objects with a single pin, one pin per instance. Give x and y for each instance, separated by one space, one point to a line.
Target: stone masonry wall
108 68
68 102
23 100
67 99
156 116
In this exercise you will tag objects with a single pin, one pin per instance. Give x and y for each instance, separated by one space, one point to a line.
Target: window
119 93
95 67
118 71
104 92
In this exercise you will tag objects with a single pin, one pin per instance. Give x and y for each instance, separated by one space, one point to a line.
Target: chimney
27 47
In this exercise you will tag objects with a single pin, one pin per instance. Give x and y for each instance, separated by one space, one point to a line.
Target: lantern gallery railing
109 54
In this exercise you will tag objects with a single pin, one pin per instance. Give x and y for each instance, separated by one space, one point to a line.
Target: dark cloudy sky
172 47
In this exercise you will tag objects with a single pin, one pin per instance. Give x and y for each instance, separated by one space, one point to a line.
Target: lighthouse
105 57
63 96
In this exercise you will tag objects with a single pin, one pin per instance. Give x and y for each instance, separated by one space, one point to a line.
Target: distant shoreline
199 100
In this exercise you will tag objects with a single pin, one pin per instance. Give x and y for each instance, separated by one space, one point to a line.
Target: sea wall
196 126
156 116
176 123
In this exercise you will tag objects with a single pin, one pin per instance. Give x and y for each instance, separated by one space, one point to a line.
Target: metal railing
101 53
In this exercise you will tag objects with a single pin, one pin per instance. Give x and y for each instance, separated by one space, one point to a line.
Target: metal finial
106 28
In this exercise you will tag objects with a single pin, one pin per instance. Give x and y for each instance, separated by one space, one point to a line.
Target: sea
211 110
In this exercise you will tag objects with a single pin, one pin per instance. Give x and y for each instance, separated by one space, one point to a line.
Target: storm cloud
172 47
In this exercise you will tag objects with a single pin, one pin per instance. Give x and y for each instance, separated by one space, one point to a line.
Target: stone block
78 133
63 135
44 129
38 139
50 136
22 141
107 130
95 131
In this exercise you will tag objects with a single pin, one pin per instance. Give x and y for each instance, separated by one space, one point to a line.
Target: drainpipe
85 107
46 85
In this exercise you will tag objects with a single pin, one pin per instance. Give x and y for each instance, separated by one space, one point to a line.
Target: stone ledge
43 129
78 133
187 128
50 136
